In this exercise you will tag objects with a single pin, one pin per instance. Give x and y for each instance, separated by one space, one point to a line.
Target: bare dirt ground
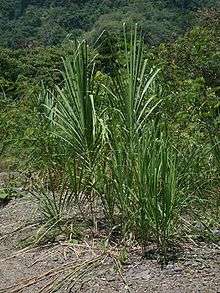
31 270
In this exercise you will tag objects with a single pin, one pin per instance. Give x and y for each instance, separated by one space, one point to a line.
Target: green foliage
142 164
31 23
189 76
130 143
22 71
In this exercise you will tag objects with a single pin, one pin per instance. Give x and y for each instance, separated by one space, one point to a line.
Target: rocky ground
86 269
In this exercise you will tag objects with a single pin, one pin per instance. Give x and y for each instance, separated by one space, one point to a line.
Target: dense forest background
31 23
33 33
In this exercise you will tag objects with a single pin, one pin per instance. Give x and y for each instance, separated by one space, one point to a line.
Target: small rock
170 267
173 268
143 275
178 269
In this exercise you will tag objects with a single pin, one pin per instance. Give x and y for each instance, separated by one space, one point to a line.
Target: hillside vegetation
114 128
30 23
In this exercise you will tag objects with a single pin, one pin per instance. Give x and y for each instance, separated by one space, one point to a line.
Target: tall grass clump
118 157
122 160
74 108
142 165
71 110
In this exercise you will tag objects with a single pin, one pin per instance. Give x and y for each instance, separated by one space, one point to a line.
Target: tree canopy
31 23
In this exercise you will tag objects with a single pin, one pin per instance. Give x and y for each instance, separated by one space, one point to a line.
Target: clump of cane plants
118 157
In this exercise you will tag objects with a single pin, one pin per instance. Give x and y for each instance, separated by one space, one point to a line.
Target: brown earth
30 270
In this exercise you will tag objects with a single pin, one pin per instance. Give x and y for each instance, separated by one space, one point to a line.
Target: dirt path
197 270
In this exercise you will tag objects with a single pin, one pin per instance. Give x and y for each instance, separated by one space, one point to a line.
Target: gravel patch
196 270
